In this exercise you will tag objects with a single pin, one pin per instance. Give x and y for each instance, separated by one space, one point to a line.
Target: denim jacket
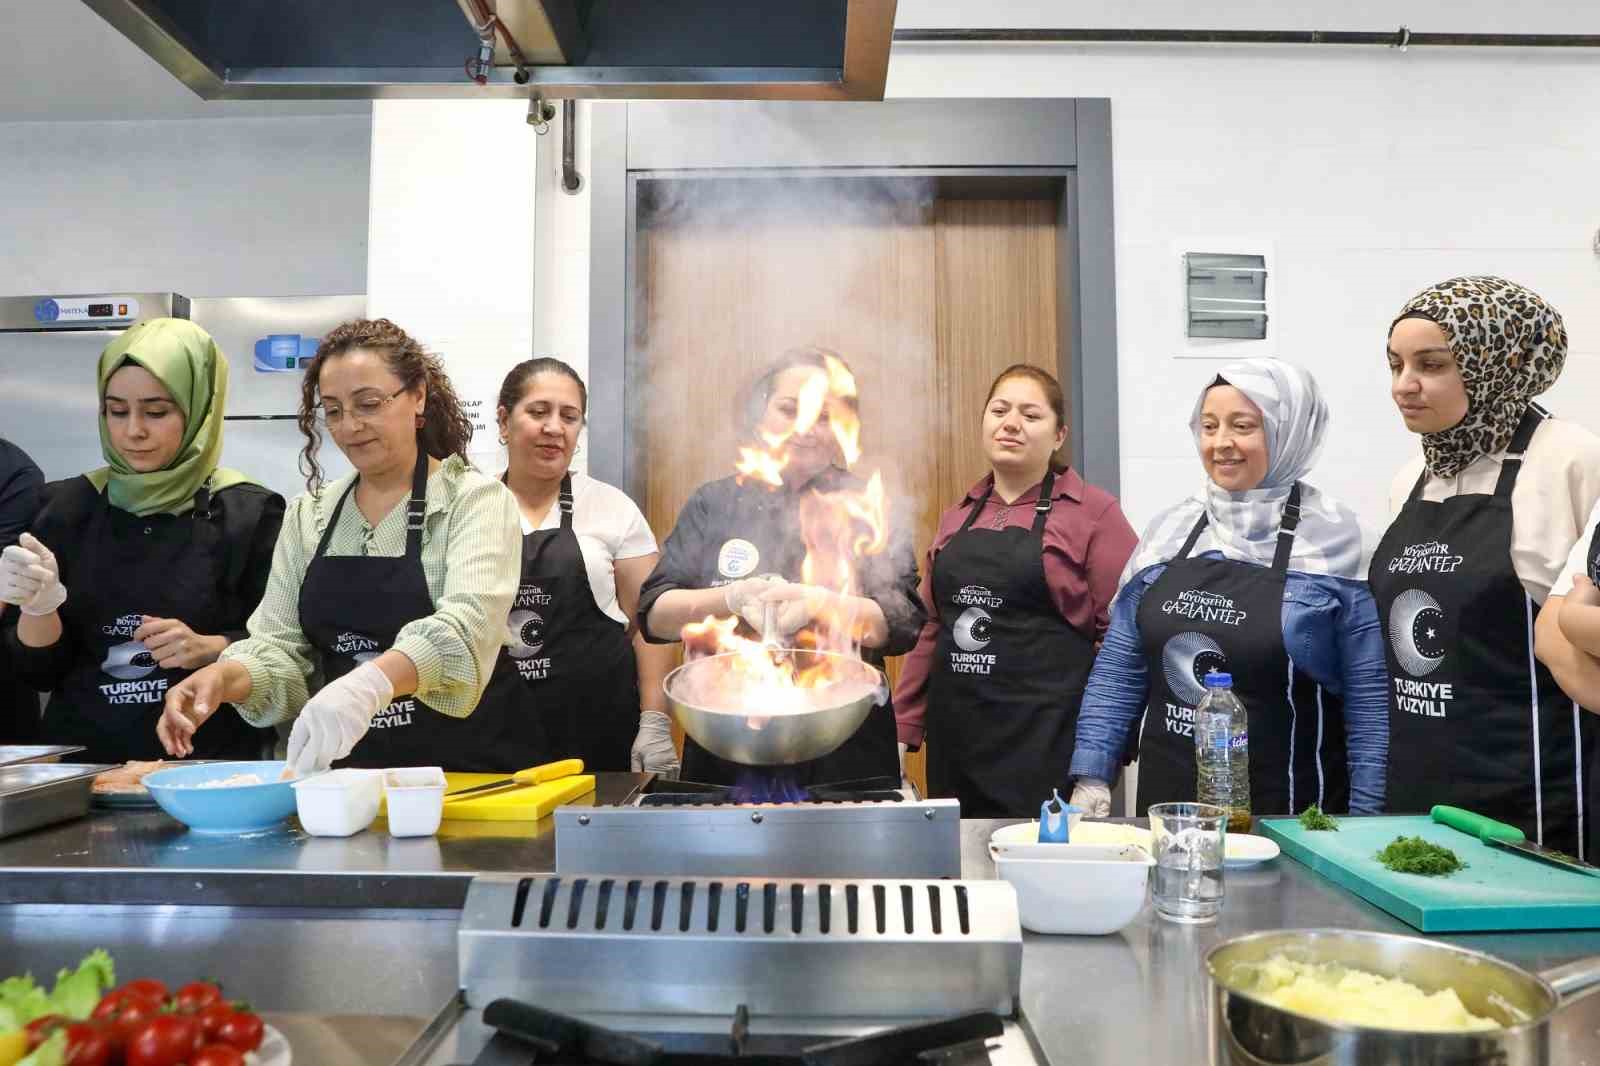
1330 630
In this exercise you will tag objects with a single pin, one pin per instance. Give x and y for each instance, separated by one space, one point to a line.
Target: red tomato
146 986
40 1028
88 1044
217 1055
125 1017
212 1017
166 1040
244 1031
194 997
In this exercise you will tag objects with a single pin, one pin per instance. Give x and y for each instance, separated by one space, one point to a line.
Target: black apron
568 684
1470 724
125 566
351 609
1205 615
1008 671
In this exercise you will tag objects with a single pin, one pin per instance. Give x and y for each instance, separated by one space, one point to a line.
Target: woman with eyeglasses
394 580
136 574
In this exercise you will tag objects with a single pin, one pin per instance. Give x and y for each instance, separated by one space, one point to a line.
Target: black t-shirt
727 531
20 485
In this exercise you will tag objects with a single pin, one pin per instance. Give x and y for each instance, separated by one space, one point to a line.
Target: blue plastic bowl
240 809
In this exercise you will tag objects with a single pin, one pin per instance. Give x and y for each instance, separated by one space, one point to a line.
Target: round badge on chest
738 558
1416 632
1185 661
527 634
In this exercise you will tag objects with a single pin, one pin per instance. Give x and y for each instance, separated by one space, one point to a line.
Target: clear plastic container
415 796
339 803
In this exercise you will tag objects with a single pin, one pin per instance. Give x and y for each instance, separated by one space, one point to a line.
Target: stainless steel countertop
143 856
1138 996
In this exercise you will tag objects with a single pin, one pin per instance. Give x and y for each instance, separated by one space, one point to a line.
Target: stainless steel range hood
613 49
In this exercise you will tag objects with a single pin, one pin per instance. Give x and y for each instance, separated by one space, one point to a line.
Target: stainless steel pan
1247 1031
754 738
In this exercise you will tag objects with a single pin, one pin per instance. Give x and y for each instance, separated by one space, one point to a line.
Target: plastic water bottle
1222 751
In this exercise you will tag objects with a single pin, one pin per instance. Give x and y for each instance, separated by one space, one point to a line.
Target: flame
839 529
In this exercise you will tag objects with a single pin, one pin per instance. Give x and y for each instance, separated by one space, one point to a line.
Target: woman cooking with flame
738 547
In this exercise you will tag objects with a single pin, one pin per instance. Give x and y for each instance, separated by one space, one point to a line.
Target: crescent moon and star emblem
1417 632
526 631
972 628
1185 661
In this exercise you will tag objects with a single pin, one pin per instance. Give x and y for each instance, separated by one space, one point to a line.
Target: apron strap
417 506
1286 528
566 500
1512 464
1194 535
1041 510
977 509
202 501
333 520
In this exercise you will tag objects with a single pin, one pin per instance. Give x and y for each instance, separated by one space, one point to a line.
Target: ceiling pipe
1400 38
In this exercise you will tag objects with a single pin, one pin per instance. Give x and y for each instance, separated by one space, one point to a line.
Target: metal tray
35 794
15 753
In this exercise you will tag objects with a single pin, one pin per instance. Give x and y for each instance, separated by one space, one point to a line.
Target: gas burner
526 1034
661 792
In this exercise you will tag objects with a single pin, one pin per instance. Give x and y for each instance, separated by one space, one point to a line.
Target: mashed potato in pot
1334 993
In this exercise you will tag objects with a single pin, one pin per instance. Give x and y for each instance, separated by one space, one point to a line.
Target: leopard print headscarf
1510 346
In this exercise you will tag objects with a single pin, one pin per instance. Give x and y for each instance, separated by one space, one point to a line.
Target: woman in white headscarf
1260 576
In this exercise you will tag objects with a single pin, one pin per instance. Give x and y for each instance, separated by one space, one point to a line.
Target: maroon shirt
1087 542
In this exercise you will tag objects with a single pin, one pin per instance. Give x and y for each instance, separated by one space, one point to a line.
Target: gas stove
870 828
676 971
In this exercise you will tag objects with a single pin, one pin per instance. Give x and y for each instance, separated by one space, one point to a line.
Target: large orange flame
839 530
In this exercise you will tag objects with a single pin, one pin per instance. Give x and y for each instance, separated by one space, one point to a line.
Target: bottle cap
1218 680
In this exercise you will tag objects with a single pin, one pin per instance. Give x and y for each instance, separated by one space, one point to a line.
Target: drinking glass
1187 880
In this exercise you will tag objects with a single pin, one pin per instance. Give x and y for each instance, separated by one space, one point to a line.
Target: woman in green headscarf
165 553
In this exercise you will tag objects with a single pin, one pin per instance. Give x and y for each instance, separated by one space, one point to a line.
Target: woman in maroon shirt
1019 584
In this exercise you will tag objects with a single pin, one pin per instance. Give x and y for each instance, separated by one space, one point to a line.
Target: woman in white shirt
574 678
1484 521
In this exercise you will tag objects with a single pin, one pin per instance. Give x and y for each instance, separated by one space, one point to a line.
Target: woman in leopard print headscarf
1484 520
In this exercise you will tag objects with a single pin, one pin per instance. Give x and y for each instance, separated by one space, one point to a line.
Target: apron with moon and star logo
127 566
1206 615
1008 671
1475 720
567 684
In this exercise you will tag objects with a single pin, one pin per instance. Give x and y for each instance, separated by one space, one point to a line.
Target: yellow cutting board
513 804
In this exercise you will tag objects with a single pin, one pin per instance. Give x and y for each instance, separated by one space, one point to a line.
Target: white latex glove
797 606
743 598
336 718
30 578
1094 797
653 751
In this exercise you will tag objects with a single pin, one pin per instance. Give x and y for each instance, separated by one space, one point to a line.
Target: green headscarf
185 359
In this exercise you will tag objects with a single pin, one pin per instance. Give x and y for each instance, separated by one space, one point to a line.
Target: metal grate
713 944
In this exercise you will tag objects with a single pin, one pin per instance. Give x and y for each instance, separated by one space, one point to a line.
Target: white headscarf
1243 526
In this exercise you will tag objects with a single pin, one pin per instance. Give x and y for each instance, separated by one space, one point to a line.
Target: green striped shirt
471 557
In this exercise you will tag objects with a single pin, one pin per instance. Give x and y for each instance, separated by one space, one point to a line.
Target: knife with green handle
1509 837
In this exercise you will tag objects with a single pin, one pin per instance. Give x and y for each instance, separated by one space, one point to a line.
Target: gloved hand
337 717
653 751
30 578
743 598
798 606
1094 797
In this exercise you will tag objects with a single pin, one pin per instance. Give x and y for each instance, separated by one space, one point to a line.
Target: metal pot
754 739
1246 1031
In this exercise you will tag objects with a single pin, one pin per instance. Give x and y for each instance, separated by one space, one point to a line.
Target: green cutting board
1499 890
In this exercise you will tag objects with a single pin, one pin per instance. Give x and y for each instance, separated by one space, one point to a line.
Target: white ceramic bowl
1021 841
1091 889
415 798
339 803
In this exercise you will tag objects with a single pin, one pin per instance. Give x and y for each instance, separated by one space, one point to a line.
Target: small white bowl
1021 841
339 803
1092 890
415 797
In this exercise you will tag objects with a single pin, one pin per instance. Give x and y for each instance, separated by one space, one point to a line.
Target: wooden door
926 300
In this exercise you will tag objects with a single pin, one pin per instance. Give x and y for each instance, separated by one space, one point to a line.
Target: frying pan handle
1476 825
1574 976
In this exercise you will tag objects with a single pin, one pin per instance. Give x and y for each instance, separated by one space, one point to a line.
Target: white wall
453 240
1373 173
214 207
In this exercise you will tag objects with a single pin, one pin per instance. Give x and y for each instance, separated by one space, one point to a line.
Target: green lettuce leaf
77 992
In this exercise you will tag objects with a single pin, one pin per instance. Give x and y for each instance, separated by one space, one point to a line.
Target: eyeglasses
362 411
